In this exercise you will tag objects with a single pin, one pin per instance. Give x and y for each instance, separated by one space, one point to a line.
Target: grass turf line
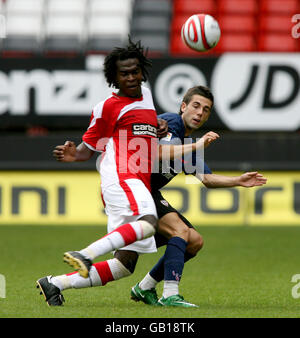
242 272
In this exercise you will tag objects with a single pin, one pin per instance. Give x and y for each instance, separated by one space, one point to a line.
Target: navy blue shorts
163 207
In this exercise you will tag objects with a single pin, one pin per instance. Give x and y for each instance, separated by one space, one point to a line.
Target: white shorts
127 202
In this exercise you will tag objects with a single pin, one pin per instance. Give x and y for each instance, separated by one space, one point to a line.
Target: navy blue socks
170 265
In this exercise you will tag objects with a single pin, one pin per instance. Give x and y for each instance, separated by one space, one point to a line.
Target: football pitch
242 272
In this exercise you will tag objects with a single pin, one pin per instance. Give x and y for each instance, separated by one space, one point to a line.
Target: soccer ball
200 32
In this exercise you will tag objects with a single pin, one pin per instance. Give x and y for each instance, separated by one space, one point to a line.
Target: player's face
195 113
129 78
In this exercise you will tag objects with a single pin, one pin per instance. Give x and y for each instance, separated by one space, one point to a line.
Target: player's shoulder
99 105
105 105
147 95
146 91
170 117
175 123
176 127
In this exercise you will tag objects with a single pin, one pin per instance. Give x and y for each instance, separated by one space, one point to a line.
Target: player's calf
123 235
127 258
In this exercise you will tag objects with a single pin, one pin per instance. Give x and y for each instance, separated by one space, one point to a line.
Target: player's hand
162 129
252 179
66 152
209 137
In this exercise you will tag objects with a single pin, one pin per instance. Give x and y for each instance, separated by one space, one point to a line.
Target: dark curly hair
131 51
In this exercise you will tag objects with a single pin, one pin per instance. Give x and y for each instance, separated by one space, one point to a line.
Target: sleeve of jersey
194 164
173 129
102 124
200 164
207 170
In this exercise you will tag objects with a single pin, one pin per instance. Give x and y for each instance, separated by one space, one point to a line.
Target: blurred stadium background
51 77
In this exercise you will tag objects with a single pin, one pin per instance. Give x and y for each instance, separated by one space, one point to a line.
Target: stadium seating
244 7
275 24
24 23
236 43
238 24
156 44
23 33
238 33
123 7
106 31
108 24
156 7
66 7
64 25
277 43
246 26
87 26
64 33
150 23
189 7
286 7
25 7
178 48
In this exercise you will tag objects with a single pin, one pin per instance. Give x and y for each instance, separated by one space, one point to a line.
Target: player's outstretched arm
247 180
252 179
70 153
173 152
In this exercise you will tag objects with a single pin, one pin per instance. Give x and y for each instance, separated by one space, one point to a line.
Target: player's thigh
127 202
171 225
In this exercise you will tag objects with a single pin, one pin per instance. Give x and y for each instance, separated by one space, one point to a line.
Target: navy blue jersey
189 164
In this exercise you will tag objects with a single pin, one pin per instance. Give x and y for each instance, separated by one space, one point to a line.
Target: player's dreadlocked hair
131 51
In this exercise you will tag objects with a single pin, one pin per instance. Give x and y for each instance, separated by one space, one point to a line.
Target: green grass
241 272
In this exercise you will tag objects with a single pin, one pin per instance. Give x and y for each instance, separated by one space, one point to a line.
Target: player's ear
183 107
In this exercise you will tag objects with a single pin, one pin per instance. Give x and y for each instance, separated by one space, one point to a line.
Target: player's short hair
197 90
131 51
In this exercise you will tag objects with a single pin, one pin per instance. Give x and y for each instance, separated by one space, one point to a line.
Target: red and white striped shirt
124 129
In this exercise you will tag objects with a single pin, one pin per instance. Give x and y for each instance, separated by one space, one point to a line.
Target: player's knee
173 231
151 219
200 243
183 233
149 225
195 244
128 260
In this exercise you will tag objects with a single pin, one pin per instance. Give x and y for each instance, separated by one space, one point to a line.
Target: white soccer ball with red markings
201 32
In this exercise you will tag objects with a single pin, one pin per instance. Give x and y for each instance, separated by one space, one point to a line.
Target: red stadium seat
194 6
279 7
238 24
236 43
178 48
246 7
177 23
275 23
277 43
